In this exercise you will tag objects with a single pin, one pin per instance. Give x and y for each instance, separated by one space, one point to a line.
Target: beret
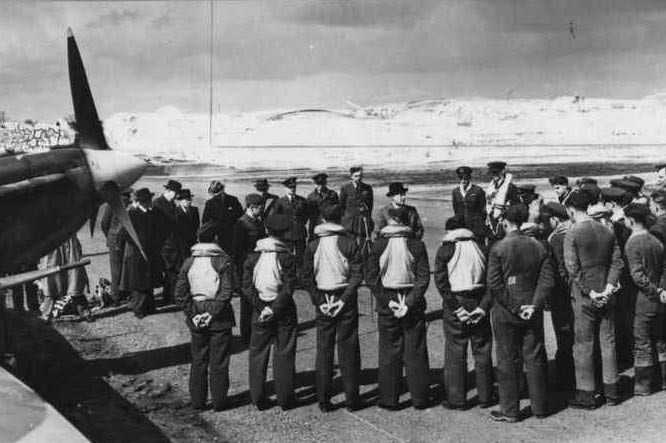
617 195
252 199
517 213
633 178
627 185
278 223
555 209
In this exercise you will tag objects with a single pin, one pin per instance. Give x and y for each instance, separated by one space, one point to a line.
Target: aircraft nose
113 166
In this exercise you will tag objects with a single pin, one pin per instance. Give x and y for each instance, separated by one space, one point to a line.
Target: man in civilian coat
183 236
164 208
137 276
520 276
111 227
318 200
356 202
247 231
221 212
296 208
268 200
469 203
398 193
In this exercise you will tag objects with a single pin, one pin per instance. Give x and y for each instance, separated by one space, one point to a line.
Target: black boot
662 368
585 400
612 394
642 380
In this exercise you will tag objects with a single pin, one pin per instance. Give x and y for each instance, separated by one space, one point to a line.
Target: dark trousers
649 351
458 336
625 302
282 330
245 319
402 342
142 302
211 351
345 326
116 267
169 289
561 314
520 342
590 322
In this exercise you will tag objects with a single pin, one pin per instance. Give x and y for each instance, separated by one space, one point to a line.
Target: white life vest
331 268
467 267
395 263
267 275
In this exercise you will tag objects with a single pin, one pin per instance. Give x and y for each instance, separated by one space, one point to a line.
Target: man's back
592 256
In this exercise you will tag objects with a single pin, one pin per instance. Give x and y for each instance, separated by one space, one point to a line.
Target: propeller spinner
111 171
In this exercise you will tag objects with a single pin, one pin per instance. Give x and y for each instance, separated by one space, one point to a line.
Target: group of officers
594 258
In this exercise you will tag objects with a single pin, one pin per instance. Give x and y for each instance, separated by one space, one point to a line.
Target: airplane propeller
111 171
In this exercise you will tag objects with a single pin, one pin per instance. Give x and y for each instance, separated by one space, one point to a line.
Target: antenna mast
210 92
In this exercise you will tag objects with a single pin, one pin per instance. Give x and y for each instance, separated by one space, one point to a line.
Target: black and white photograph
332 221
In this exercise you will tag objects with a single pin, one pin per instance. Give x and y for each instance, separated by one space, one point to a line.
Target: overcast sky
318 53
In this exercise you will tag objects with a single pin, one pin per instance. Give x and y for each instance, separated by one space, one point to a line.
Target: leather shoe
325 406
500 416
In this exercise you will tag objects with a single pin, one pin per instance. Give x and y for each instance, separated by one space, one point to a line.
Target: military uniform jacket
415 299
351 252
111 227
222 212
297 209
316 202
246 233
519 273
592 257
356 204
137 272
284 301
268 201
658 229
645 258
414 220
472 208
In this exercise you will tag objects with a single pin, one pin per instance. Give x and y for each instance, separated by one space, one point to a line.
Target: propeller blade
89 132
93 221
111 194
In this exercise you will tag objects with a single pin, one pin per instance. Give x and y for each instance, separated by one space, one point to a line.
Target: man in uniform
561 187
469 203
247 231
333 271
296 208
164 212
500 194
111 227
268 200
319 199
520 276
269 278
561 311
221 212
397 193
594 264
356 202
645 258
660 171
398 274
460 277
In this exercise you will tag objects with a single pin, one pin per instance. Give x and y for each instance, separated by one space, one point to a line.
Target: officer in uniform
269 278
469 203
319 199
333 271
520 276
500 194
296 208
356 202
247 231
398 274
397 193
111 227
